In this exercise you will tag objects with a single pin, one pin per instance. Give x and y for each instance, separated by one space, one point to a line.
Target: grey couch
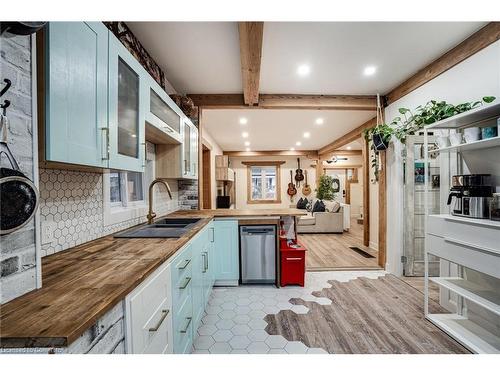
322 222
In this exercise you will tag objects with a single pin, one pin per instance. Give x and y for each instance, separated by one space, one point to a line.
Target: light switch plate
47 228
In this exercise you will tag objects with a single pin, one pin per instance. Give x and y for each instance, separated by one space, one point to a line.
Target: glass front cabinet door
187 148
126 109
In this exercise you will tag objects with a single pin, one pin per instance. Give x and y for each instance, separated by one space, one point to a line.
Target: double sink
164 228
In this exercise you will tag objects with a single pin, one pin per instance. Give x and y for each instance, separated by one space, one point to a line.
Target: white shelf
489 299
482 144
468 333
481 222
473 116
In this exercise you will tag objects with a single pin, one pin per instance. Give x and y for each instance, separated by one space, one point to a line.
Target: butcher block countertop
82 283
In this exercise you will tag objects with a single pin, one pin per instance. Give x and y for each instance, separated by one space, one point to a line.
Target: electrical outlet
47 229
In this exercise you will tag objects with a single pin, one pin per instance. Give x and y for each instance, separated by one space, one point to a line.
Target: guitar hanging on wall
291 191
306 190
299 176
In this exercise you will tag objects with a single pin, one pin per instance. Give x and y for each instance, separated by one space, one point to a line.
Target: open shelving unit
469 243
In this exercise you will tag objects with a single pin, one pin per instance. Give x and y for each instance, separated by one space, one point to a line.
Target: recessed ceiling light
248 148
244 135
303 70
247 143
243 120
307 135
292 148
370 70
319 121
298 143
348 147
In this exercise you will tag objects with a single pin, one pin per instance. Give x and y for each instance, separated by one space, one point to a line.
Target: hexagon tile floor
234 318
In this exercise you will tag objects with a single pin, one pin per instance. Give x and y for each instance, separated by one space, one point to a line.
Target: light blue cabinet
76 86
127 101
199 270
226 252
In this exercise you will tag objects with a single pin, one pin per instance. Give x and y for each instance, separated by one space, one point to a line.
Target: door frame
206 171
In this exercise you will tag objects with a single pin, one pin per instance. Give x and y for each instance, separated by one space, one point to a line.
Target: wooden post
366 193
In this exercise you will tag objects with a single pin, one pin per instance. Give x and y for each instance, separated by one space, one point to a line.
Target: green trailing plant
325 188
411 122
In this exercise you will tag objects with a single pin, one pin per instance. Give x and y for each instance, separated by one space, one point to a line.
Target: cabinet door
187 148
126 109
198 278
161 111
226 252
76 108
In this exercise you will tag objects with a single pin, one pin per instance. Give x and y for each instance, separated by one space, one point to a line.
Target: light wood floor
331 251
383 315
418 283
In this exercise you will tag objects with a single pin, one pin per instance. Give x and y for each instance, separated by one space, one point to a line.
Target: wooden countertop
82 283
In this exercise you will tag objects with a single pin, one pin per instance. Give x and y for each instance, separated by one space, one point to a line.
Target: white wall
290 164
470 80
216 150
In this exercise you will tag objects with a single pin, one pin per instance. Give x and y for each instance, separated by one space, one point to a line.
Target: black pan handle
458 195
7 86
4 150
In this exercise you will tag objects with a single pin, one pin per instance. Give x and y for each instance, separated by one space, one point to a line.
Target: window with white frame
126 188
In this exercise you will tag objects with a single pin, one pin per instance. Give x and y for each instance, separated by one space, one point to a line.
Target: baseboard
373 245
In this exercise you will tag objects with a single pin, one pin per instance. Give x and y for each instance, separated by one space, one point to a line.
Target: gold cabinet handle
187 280
184 265
188 319
164 314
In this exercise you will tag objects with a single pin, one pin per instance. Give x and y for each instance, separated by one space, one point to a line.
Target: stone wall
188 194
17 250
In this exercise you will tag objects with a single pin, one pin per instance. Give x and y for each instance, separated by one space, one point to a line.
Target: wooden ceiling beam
288 101
251 35
307 153
348 138
473 44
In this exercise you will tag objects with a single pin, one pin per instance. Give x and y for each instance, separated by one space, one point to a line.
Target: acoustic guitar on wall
291 191
299 175
306 190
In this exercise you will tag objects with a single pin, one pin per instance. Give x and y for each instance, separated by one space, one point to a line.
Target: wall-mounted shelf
466 332
474 116
481 144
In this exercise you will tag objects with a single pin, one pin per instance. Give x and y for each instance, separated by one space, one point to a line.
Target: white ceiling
354 145
204 57
278 129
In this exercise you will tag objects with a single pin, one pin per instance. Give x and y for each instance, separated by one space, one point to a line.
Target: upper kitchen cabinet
163 117
73 62
190 149
126 98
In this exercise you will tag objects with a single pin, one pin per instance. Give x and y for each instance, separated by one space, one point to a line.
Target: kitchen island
80 285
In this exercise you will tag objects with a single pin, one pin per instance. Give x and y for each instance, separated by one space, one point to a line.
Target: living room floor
333 251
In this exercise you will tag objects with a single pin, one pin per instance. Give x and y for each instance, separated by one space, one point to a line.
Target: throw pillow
300 204
332 206
319 206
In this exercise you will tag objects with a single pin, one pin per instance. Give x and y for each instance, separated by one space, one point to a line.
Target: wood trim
200 157
382 211
251 35
473 44
366 193
307 153
207 179
319 170
262 163
340 102
346 166
349 137
206 144
288 101
277 164
345 152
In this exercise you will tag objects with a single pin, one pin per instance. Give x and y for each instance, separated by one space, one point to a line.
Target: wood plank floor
331 251
418 283
383 315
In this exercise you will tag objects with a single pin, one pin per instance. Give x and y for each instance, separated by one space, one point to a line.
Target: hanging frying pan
18 194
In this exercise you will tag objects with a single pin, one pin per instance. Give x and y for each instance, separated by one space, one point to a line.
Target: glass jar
495 207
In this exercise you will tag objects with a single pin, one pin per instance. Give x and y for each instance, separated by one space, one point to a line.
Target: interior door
414 200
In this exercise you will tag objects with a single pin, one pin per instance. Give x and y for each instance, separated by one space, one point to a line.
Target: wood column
200 158
366 193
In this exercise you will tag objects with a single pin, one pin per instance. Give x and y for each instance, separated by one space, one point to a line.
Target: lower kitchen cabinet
148 315
226 253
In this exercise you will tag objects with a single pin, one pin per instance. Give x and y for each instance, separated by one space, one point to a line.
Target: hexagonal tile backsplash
74 202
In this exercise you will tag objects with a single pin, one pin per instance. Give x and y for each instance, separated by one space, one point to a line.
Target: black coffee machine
470 196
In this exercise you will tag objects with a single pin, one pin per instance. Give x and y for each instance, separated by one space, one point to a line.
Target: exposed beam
251 34
345 102
348 138
307 153
288 101
344 153
476 42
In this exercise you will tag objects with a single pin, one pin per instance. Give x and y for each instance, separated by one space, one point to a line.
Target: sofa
322 222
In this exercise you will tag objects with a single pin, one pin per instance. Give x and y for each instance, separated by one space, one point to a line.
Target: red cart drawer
293 267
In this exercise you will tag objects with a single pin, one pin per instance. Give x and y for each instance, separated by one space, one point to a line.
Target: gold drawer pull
187 280
164 314
189 319
185 264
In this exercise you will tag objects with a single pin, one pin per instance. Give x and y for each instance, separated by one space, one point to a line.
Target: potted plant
325 189
380 136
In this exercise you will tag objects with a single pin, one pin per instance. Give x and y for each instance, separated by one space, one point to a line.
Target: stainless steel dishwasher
258 254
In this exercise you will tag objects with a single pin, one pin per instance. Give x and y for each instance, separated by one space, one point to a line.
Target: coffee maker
470 196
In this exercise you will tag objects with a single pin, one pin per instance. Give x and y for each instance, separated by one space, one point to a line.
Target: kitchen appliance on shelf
258 254
470 196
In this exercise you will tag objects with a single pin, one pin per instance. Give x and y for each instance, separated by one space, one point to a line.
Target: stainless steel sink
164 228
